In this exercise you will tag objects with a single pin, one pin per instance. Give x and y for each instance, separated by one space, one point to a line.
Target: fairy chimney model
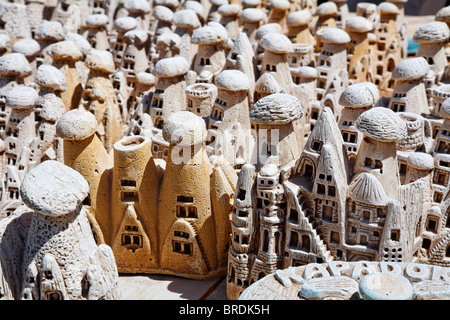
251 20
230 14
409 92
65 55
278 12
30 49
77 127
185 22
99 97
331 66
342 13
48 32
298 27
191 226
121 25
326 13
210 56
139 9
94 30
61 259
200 98
355 99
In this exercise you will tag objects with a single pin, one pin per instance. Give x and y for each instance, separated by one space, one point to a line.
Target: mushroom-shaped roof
48 76
230 10
76 124
21 97
359 24
282 5
142 6
218 3
268 28
326 9
184 128
127 23
443 14
14 64
276 43
267 83
136 36
307 72
167 39
172 4
81 42
364 94
5 41
421 161
163 13
186 18
388 8
381 124
97 20
195 6
233 80
28 47
253 15
65 50
366 188
432 32
146 78
53 189
209 35
50 30
100 60
250 3
335 36
411 69
445 109
171 67
299 18
277 108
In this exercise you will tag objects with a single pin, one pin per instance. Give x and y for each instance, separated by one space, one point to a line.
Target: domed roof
299 18
277 108
432 32
76 124
171 67
53 189
137 6
381 124
267 83
277 43
163 13
335 35
253 14
229 9
388 8
21 97
97 20
48 76
359 24
100 60
65 50
127 23
184 126
307 72
443 14
186 18
145 78
50 30
268 28
233 80
366 188
28 47
421 161
282 5
362 94
411 69
14 64
326 9
209 35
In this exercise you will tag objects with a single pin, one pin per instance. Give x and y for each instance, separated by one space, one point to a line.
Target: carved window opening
128 183
293 216
398 107
395 235
327 213
129 196
306 243
426 243
447 251
432 224
440 177
349 137
186 212
182 247
316 146
334 237
265 246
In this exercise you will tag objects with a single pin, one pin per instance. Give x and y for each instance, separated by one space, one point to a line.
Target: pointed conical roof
267 83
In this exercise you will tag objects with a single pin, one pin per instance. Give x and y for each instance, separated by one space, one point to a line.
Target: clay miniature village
212 138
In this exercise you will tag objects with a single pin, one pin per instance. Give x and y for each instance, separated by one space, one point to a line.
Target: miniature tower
139 9
77 127
200 98
326 13
356 99
358 56
342 13
382 128
167 46
230 14
210 56
134 197
409 92
298 27
252 19
65 55
276 118
229 118
99 97
48 32
163 16
186 220
185 22
94 30
51 270
331 66
30 49
121 25
277 48
169 96
278 12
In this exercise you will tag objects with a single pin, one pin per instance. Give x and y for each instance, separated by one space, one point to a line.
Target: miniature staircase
308 221
200 245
